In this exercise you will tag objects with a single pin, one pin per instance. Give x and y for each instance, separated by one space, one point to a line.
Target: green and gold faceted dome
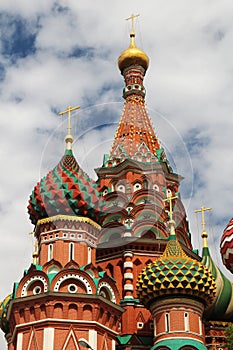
174 273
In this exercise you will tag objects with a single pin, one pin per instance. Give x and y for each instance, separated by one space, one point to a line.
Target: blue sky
60 53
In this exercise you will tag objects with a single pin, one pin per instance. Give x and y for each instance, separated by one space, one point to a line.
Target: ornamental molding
30 281
68 218
76 277
110 290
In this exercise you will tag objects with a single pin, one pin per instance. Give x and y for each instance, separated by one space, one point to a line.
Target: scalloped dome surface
175 273
66 190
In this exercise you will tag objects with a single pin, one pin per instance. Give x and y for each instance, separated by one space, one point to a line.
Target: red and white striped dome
226 246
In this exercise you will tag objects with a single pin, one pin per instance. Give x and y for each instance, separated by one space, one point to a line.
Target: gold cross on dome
202 211
132 17
169 199
68 111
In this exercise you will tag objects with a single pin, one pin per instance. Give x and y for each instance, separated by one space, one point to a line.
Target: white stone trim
48 341
128 287
62 321
128 276
92 338
128 264
30 281
128 254
89 251
19 343
74 276
109 288
70 335
200 325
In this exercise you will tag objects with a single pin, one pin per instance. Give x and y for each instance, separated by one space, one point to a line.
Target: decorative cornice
68 218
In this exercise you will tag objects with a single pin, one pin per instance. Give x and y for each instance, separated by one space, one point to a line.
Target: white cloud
189 94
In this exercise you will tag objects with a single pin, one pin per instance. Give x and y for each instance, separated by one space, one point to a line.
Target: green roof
177 344
125 339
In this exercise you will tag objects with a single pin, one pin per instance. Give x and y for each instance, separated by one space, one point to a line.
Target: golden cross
132 17
69 110
202 211
169 199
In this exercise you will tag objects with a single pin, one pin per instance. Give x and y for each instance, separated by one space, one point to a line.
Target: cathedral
113 263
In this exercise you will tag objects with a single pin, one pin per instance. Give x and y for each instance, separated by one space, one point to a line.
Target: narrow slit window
186 322
89 255
71 251
167 323
50 252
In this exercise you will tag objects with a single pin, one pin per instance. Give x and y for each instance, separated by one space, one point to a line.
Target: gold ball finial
132 55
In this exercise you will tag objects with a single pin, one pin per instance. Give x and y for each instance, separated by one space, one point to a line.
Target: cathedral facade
113 265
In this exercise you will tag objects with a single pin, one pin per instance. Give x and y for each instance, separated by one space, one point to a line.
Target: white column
92 338
113 345
19 345
48 342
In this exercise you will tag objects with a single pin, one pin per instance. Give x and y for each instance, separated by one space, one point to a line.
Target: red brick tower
63 297
176 288
135 179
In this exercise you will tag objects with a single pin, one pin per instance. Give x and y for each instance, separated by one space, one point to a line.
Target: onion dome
4 323
66 190
222 305
226 246
133 56
174 273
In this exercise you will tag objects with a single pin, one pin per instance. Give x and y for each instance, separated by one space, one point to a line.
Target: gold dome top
133 56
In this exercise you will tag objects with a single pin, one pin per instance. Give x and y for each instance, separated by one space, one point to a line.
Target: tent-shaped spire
135 137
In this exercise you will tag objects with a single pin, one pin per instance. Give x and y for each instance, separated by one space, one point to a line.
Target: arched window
58 311
87 313
73 312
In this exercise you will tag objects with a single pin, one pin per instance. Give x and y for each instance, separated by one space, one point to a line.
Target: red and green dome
226 246
175 274
66 190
